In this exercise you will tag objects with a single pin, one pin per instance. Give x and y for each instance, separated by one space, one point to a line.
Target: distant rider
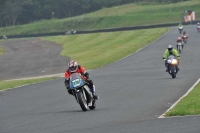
180 27
185 34
170 51
198 27
198 24
73 67
179 39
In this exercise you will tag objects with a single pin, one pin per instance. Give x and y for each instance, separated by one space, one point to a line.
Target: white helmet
73 65
198 23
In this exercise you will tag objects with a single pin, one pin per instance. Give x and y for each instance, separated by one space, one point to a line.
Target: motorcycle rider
73 67
198 27
180 27
179 39
171 51
198 24
185 34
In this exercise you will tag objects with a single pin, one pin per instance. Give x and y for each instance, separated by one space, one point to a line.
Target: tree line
14 12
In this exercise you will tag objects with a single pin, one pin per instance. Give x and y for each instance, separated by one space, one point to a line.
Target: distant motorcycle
172 66
179 47
180 29
82 92
185 39
198 28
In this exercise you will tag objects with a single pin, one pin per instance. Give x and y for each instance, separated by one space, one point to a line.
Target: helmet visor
73 68
170 49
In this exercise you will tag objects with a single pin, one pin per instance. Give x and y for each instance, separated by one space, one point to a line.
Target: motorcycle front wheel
82 101
179 49
173 73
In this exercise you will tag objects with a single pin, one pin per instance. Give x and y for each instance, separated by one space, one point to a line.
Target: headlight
169 61
174 61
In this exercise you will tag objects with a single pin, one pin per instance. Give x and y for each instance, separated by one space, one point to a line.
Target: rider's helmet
170 47
179 38
184 32
73 65
198 23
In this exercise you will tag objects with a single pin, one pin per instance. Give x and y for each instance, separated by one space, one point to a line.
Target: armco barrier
103 30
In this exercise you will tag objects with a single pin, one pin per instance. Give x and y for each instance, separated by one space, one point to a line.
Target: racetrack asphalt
133 92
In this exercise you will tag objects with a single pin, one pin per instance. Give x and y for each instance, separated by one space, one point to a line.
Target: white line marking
45 76
163 115
22 85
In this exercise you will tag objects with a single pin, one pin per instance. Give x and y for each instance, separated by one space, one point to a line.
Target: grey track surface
29 58
133 93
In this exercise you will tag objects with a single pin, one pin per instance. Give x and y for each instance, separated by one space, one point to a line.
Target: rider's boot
93 93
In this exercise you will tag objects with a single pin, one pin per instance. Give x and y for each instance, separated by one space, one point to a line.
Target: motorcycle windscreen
171 57
76 81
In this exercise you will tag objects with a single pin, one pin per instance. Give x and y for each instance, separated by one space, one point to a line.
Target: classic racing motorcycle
180 29
81 92
198 28
179 47
185 39
172 64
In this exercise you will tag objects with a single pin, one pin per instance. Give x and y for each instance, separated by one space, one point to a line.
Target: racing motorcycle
185 38
172 64
198 28
179 47
180 29
81 92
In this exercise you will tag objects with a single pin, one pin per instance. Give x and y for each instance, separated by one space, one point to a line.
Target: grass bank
120 16
1 51
99 49
16 83
189 105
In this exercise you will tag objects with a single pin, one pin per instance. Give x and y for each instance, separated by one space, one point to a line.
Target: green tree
12 9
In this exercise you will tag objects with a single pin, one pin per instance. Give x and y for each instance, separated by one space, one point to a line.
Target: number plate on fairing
76 82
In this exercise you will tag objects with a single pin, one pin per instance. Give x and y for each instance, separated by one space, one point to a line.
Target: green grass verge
120 16
99 49
1 51
16 83
189 105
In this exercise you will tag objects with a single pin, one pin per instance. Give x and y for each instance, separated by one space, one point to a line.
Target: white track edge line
21 86
163 115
